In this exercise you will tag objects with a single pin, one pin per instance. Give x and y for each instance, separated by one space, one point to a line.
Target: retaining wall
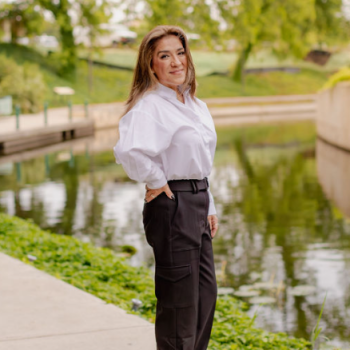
333 169
333 115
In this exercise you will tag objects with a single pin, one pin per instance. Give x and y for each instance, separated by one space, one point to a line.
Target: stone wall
333 115
104 115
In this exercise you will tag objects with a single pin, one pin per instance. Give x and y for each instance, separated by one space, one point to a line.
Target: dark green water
276 223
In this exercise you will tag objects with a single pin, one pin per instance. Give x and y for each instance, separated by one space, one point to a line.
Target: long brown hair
144 79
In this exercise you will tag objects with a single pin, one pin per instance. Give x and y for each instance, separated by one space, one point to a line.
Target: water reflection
277 224
281 226
333 168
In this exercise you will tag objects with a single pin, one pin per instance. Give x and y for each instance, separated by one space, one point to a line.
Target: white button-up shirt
164 139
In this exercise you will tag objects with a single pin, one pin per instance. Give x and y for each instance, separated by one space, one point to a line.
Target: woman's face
169 62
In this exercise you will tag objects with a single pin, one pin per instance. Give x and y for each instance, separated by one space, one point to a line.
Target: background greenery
24 83
112 84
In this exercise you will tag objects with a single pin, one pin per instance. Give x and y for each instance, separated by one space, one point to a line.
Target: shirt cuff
157 183
212 210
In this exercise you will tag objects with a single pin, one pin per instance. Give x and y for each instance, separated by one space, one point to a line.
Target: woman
168 140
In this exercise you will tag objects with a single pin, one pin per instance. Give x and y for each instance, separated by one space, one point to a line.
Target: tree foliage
88 12
24 83
193 16
24 17
331 24
287 27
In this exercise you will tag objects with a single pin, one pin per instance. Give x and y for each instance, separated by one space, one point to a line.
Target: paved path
40 312
238 110
263 113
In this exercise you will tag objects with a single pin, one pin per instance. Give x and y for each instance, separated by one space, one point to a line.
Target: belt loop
207 182
194 186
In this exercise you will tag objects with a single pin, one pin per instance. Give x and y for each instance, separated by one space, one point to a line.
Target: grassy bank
110 84
307 81
100 272
279 133
208 62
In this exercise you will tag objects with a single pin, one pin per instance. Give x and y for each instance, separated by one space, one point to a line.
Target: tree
24 17
92 16
256 22
288 26
192 16
331 24
62 11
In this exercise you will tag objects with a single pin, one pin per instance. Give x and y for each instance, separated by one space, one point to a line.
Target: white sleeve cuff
157 183
212 210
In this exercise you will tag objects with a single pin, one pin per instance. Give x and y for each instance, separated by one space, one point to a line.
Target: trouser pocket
174 286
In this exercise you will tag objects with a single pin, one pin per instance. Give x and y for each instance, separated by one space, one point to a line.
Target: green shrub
342 75
24 83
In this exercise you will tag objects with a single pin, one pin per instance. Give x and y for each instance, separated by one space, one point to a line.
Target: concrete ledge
34 138
333 116
45 130
260 99
253 119
264 110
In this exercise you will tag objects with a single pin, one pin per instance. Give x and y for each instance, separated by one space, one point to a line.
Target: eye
163 56
182 53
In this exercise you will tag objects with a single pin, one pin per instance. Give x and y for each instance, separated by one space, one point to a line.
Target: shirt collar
167 92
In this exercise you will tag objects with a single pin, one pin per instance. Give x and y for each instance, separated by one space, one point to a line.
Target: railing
65 114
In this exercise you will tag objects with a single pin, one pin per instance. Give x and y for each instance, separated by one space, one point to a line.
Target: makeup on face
169 62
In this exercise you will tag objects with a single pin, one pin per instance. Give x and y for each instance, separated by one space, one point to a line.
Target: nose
175 61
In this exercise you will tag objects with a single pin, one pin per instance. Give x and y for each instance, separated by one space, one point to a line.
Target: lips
177 71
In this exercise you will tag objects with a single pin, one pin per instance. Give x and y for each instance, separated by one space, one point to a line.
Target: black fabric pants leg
185 283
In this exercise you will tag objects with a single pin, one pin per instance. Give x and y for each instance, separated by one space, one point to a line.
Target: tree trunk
14 31
69 54
238 74
90 66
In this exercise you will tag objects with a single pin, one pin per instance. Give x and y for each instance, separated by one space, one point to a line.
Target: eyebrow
181 48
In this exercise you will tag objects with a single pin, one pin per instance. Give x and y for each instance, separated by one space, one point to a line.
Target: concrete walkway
236 110
40 312
104 115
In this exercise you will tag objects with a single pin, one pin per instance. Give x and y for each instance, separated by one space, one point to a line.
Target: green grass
263 84
109 85
22 54
207 62
272 134
100 272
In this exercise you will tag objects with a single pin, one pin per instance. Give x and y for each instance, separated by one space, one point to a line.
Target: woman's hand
213 223
153 193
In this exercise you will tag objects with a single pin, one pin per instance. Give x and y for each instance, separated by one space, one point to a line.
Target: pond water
283 221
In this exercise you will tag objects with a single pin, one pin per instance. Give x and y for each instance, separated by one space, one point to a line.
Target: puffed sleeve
141 138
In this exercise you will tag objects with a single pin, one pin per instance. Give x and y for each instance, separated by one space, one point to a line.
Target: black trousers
185 283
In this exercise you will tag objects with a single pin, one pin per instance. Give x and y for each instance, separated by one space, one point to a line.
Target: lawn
208 62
